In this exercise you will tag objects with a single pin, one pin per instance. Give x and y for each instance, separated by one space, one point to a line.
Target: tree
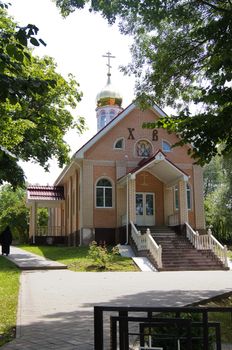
218 197
181 57
13 211
213 175
35 103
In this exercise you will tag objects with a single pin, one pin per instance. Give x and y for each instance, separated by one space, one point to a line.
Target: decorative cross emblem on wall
144 183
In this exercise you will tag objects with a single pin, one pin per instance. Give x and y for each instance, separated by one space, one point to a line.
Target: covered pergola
44 197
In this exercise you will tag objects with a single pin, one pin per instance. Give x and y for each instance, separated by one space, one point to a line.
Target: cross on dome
109 56
109 100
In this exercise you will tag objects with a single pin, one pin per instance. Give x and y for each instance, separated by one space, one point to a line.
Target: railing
207 242
50 231
173 220
128 327
139 240
154 248
147 242
192 235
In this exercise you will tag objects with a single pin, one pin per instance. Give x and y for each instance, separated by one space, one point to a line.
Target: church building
124 176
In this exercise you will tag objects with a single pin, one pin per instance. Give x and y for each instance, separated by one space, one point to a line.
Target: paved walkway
142 262
56 306
28 261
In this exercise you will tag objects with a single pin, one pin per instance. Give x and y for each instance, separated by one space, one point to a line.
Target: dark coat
6 237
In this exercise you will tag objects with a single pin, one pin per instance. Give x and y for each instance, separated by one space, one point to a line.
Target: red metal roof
45 193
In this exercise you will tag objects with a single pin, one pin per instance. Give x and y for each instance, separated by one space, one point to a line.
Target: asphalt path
56 306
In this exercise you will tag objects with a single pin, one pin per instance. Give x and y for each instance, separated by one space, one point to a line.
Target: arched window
112 114
119 144
104 194
166 147
188 194
102 119
143 149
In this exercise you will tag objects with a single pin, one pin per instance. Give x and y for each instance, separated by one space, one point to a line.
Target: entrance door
145 213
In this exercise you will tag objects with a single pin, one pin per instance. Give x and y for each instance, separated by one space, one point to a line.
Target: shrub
100 255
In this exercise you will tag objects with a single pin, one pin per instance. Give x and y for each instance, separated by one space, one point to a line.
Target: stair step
178 254
192 268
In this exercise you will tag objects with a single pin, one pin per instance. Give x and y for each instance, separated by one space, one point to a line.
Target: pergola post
33 221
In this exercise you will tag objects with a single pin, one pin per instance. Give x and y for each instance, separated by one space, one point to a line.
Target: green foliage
42 216
213 175
35 103
100 255
174 336
218 197
13 211
224 318
9 287
181 57
10 171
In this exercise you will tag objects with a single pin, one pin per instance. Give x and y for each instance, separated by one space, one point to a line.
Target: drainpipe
79 201
127 208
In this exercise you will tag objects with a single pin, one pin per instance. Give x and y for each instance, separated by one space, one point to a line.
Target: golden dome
109 96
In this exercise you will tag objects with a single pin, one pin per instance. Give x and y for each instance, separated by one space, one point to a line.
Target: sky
77 44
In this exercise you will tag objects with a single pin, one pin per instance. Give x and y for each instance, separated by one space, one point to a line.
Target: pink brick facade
100 159
127 173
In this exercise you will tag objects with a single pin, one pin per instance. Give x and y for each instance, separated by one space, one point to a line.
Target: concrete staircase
178 254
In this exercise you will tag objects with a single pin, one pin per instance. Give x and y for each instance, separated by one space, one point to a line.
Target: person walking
6 240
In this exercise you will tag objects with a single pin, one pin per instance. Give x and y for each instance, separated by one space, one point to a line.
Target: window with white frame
176 197
188 194
166 147
104 194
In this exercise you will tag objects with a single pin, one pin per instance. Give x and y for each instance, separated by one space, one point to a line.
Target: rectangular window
149 204
176 197
188 194
100 201
108 197
139 204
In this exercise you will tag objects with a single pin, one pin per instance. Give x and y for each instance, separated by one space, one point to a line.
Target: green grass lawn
77 259
224 318
9 287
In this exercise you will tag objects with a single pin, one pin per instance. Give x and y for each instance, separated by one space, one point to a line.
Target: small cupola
109 100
